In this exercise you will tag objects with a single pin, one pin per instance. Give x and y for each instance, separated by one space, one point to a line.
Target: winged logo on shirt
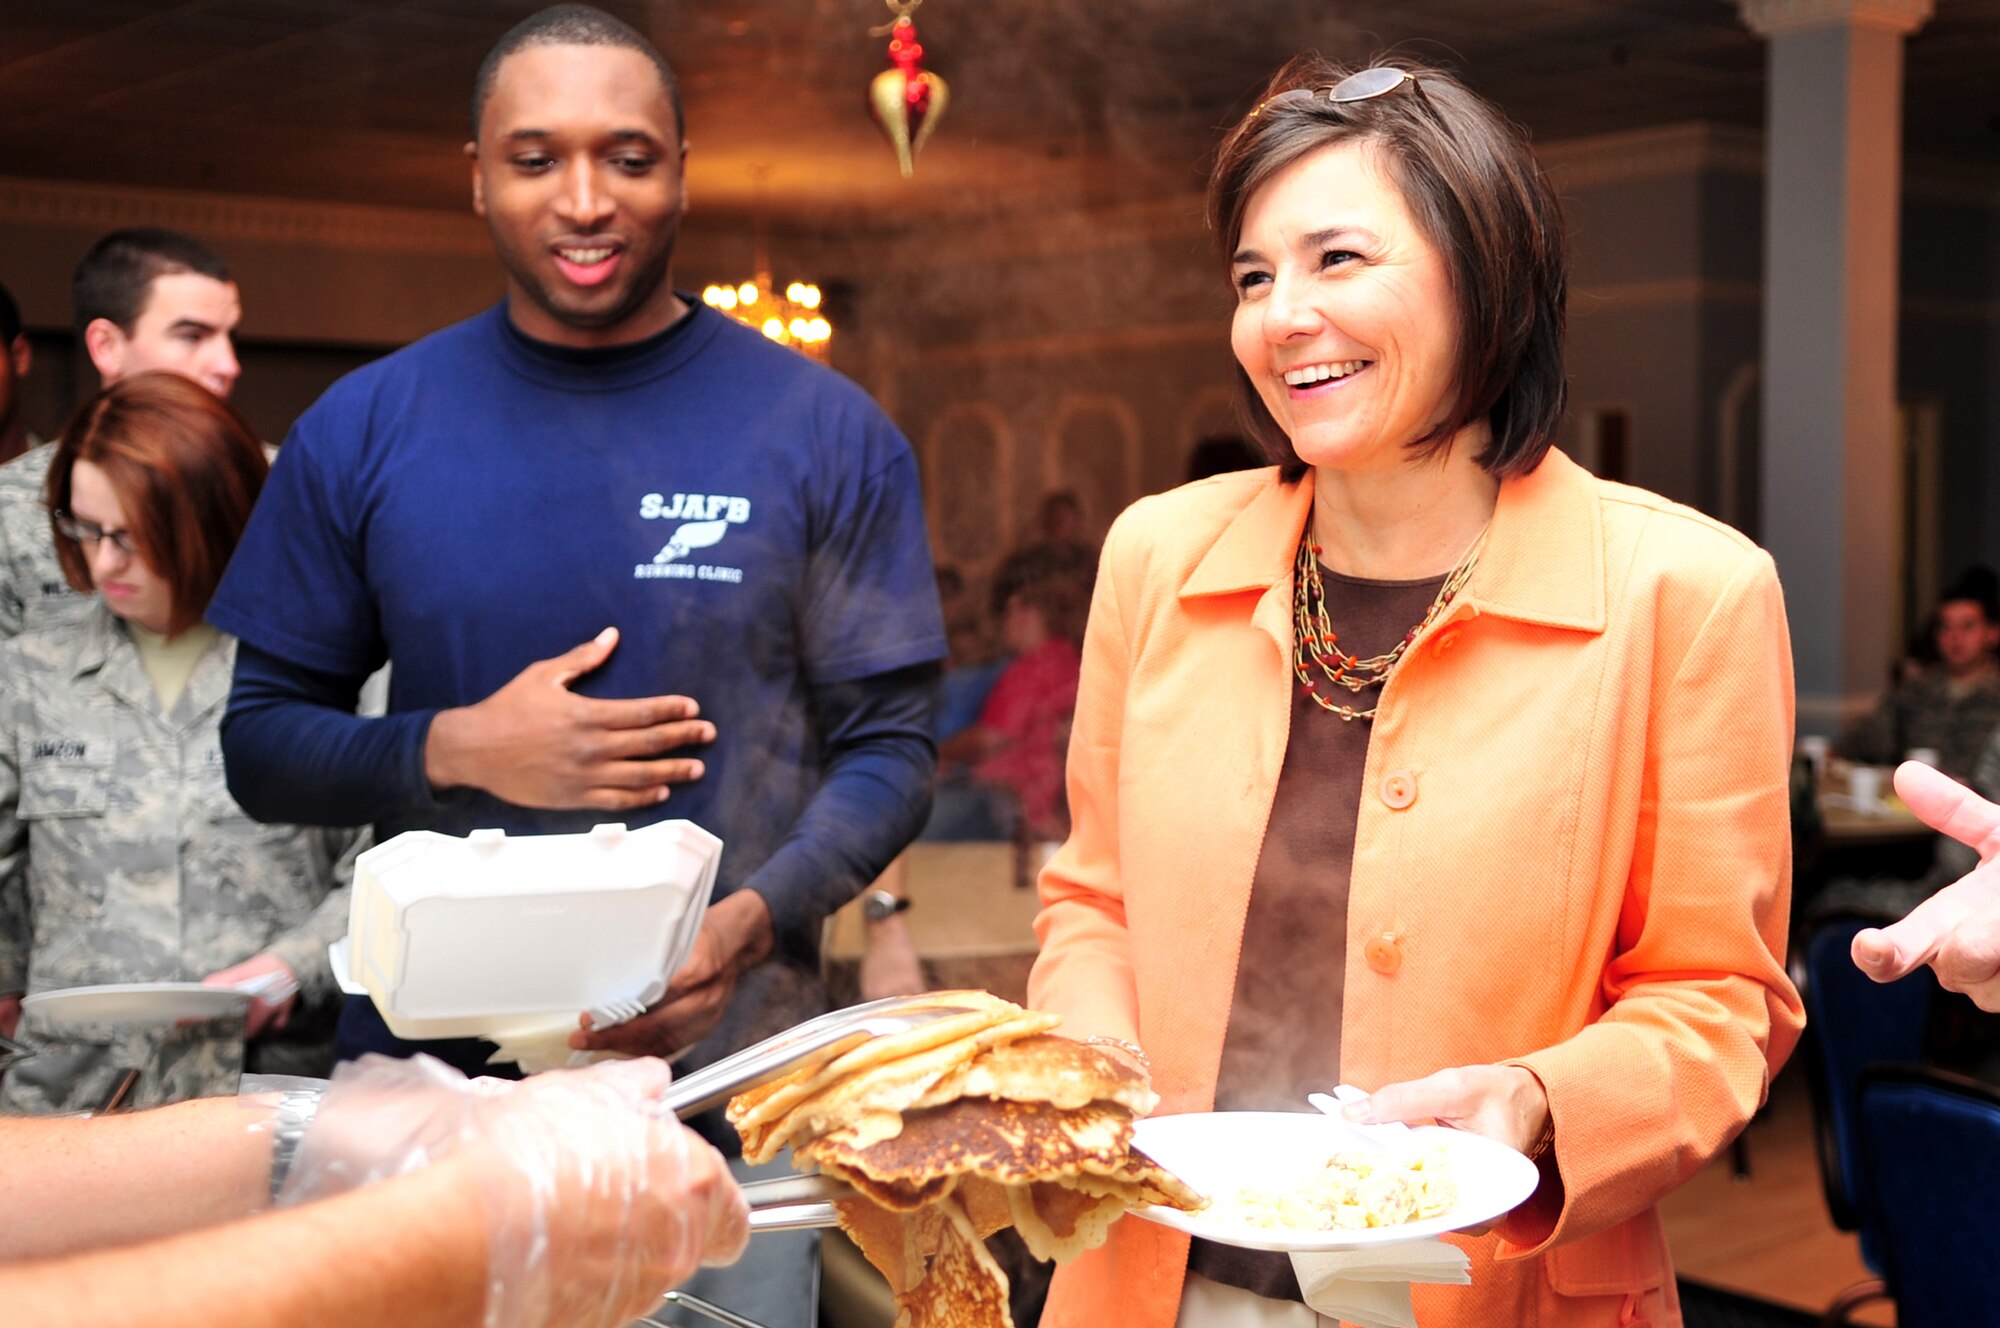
693 535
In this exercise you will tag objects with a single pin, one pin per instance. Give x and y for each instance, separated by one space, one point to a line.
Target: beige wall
1087 352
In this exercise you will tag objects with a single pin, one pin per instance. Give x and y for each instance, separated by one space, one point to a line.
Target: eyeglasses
89 533
1361 85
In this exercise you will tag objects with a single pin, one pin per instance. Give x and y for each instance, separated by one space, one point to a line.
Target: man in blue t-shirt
614 545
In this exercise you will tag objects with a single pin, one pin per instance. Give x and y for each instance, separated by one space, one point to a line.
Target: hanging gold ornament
907 100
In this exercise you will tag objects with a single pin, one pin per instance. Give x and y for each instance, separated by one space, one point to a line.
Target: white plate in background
135 1003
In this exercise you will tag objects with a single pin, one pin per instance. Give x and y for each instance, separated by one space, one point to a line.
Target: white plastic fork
273 988
613 1013
1385 1134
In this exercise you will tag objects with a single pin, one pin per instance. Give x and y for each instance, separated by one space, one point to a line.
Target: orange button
1385 956
1399 789
1446 639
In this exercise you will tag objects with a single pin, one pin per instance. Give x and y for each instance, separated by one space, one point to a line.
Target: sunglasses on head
1361 85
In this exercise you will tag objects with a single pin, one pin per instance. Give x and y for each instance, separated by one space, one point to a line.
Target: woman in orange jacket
1424 761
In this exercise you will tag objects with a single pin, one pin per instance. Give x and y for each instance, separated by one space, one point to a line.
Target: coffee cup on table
1815 748
1864 788
1927 755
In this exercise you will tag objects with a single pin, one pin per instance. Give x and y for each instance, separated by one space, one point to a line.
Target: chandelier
790 317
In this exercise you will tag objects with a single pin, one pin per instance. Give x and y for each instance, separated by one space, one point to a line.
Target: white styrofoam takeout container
473 937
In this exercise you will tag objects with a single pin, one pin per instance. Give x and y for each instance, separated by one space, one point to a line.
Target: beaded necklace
1313 636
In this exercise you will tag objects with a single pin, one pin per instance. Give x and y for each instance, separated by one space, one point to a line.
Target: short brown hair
187 468
115 278
1474 188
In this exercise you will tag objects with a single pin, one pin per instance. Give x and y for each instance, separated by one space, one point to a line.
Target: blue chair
1852 1022
1931 1144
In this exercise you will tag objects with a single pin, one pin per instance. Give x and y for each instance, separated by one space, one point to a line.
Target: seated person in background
971 666
1059 547
1003 776
122 856
412 1198
1952 709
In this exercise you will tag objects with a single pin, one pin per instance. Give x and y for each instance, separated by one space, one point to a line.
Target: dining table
1860 842
1889 823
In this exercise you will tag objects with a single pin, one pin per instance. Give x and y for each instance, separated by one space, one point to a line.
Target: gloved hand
594 1204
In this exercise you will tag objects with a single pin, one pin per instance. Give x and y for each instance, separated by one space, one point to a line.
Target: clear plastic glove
594 1204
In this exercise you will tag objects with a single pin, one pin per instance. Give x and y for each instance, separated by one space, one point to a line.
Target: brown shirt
1283 1039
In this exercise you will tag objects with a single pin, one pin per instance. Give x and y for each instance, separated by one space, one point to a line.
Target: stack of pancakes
960 1127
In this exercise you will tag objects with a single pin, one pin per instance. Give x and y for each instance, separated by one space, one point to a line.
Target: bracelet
1130 1048
296 1109
1544 1141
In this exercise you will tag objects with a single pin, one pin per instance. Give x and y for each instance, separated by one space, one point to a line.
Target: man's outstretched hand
536 743
1957 930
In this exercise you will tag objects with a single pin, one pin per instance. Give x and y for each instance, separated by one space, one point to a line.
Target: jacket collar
1255 550
1543 561
1544 556
100 636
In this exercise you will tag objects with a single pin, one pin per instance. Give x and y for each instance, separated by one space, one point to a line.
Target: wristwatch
877 905
294 1116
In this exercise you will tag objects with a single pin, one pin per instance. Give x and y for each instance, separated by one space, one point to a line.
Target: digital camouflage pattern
33 592
1927 711
124 859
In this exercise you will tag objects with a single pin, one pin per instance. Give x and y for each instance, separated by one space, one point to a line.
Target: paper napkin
540 1046
1371 1287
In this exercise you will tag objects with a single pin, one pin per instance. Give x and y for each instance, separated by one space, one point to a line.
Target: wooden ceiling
1054 102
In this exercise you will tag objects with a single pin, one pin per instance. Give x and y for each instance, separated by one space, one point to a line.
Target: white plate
136 1003
1221 1152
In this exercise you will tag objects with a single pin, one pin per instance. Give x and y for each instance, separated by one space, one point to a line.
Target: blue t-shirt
748 520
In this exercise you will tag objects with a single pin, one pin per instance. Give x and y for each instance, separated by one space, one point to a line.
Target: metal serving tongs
713 1313
787 1203
795 1203
812 1043
792 1203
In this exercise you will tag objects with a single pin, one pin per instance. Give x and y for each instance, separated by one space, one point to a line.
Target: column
1833 192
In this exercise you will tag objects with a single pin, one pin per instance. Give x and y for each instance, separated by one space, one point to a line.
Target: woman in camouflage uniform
122 856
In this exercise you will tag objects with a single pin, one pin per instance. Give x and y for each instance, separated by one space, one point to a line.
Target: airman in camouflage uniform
123 851
33 592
